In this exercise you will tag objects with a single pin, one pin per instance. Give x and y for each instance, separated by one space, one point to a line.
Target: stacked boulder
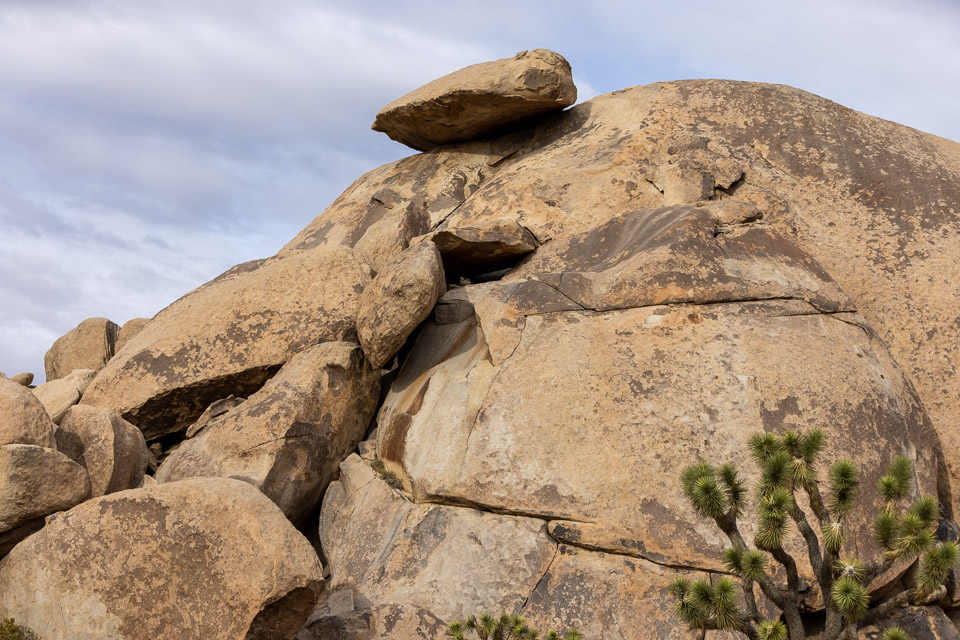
483 367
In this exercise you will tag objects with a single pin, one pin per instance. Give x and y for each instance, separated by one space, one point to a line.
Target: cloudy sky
147 146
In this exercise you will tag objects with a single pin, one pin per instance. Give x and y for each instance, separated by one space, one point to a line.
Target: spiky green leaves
843 487
927 509
851 568
714 492
935 565
851 598
896 483
773 511
699 603
894 633
833 535
771 630
886 528
749 564
456 630
505 627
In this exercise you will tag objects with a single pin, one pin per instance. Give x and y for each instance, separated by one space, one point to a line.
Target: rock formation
474 380
89 345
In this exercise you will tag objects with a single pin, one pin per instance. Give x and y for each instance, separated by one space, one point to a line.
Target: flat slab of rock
488 246
479 100
398 300
35 482
230 335
203 558
57 396
111 449
288 438
23 419
89 345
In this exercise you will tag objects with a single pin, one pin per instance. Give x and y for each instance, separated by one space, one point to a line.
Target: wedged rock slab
229 336
57 396
23 419
89 345
451 561
203 558
598 438
479 100
111 449
468 251
35 482
398 300
288 438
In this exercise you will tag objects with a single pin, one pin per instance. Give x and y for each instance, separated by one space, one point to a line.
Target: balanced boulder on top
479 100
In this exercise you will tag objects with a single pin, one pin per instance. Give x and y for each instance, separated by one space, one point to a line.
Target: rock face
23 420
89 345
288 438
35 482
399 299
111 449
129 329
186 548
229 336
25 379
479 100
57 396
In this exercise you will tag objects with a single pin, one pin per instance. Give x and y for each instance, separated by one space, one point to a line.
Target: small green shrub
10 630
388 476
506 627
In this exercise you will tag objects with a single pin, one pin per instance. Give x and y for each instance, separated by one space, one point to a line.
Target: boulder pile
473 381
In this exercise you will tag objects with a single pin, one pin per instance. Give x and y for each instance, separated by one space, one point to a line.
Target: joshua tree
506 627
788 464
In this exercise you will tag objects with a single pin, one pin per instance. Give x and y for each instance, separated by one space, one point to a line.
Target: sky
146 147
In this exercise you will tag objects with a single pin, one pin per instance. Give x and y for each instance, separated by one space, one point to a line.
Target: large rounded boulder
203 558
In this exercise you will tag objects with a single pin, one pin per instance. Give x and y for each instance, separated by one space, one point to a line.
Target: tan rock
479 100
129 329
89 345
203 558
35 482
451 561
386 208
870 200
23 379
229 336
57 396
23 419
599 437
215 410
288 438
111 449
929 623
384 622
486 247
398 300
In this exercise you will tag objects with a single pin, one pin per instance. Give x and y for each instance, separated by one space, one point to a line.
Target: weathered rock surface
57 396
202 558
483 248
129 329
23 379
757 336
89 345
872 201
111 449
398 300
479 100
929 623
229 336
35 482
384 622
288 438
23 420
454 561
